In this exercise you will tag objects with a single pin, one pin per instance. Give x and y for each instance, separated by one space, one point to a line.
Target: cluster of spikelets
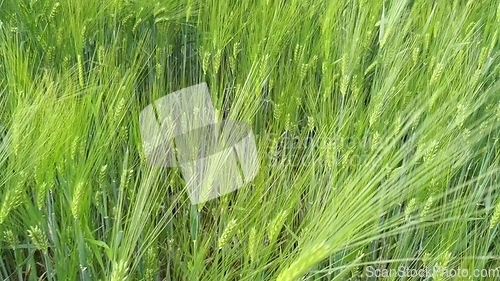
227 234
308 258
274 227
425 209
495 218
13 198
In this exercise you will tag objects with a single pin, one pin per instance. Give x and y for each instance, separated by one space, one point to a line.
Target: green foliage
377 125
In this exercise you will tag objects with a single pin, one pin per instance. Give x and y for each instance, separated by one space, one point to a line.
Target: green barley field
376 125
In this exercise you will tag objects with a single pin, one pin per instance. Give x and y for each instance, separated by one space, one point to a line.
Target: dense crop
376 123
